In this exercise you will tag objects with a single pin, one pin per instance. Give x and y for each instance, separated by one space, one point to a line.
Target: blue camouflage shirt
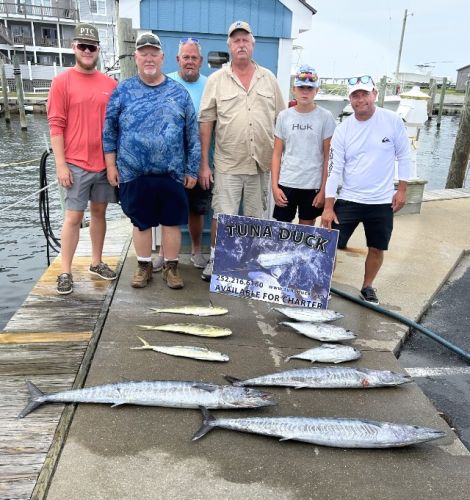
153 130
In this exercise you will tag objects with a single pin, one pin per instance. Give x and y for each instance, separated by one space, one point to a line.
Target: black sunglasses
360 79
84 46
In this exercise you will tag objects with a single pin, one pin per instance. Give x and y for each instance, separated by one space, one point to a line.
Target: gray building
463 74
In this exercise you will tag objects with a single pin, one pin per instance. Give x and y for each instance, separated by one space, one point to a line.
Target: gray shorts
88 186
229 190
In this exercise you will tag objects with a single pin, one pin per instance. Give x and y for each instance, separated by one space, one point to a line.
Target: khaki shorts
88 186
231 190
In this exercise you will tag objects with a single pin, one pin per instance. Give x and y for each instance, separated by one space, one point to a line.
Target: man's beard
87 66
191 75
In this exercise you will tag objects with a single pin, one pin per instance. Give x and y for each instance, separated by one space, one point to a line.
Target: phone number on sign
240 281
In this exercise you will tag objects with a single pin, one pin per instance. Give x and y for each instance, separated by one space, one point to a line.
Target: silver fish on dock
168 393
184 351
329 353
334 432
320 331
190 329
327 378
309 314
192 310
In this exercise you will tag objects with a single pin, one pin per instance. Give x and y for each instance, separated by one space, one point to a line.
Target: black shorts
377 221
300 199
199 199
151 200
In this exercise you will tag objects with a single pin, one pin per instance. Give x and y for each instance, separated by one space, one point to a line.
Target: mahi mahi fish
191 329
184 351
335 432
320 331
193 310
169 393
327 378
329 353
309 314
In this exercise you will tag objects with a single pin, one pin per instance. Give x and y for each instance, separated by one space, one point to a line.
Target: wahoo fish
320 331
335 432
193 310
309 314
327 378
168 393
184 351
329 353
191 329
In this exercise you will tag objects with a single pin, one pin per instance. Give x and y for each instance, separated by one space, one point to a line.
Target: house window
98 7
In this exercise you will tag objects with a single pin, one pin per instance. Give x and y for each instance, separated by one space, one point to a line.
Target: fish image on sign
272 261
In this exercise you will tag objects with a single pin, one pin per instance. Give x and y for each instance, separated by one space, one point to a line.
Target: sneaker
198 260
207 273
64 283
158 264
368 294
103 271
143 275
171 274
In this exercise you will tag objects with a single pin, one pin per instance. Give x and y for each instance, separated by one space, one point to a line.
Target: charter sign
277 262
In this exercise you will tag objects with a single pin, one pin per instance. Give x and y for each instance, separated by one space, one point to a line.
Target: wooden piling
3 77
126 44
441 101
382 91
432 96
19 92
461 153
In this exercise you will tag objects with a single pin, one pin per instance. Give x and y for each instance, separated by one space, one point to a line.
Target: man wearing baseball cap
242 101
76 110
152 149
364 148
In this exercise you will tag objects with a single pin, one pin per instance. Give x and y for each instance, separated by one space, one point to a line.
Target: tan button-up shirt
244 129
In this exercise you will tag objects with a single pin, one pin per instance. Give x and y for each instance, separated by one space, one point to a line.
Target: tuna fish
184 351
327 378
191 329
329 353
335 432
193 310
169 393
309 314
320 331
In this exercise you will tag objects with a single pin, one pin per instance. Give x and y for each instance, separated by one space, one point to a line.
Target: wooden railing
28 10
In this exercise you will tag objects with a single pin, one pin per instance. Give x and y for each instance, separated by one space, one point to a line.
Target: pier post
432 95
126 41
382 91
3 77
441 101
19 92
461 153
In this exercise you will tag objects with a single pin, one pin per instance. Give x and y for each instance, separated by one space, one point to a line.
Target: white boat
332 102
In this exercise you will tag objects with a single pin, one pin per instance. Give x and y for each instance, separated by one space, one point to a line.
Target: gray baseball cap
148 40
84 31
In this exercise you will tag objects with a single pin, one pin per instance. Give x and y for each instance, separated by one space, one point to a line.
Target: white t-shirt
362 158
303 135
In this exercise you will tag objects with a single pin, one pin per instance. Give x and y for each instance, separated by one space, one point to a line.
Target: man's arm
278 194
64 175
111 168
205 174
319 199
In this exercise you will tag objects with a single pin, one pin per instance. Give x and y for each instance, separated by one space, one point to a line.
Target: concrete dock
138 452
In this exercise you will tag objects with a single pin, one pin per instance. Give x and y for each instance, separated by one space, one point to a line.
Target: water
22 243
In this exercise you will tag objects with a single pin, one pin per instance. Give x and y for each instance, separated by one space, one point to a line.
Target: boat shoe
103 271
64 284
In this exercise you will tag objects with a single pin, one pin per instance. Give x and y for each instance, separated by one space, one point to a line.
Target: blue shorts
151 200
300 199
377 221
199 199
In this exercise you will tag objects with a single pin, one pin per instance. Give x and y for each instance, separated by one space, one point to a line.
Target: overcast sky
353 37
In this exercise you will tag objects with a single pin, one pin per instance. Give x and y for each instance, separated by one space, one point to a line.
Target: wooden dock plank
41 337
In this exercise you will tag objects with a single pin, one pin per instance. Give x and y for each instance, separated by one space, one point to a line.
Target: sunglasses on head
189 39
307 77
84 46
360 79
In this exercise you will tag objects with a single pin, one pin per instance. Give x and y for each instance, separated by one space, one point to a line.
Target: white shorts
230 190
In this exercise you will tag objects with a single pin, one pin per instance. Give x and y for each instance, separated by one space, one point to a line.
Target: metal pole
4 91
401 45
441 101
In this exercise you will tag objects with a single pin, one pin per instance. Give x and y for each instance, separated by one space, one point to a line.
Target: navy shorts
377 221
199 199
151 200
300 199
